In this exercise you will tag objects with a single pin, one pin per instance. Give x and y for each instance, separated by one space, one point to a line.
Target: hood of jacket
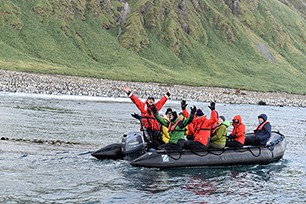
201 119
226 123
237 117
263 116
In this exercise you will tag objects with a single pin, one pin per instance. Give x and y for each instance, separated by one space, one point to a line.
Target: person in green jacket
176 128
218 140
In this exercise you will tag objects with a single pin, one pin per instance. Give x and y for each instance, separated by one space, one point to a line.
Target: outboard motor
133 145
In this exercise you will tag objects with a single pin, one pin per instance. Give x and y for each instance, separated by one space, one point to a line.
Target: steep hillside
247 44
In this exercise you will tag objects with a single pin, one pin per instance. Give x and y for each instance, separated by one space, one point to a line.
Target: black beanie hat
151 97
222 117
199 112
168 110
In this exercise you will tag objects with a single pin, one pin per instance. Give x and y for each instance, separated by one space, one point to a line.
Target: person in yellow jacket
164 130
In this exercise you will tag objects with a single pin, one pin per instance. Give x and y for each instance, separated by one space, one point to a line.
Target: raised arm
214 114
184 104
163 100
158 118
139 104
161 120
190 117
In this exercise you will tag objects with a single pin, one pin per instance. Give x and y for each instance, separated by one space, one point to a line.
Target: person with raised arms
176 128
202 129
147 116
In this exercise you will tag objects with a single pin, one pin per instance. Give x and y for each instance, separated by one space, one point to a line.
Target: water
33 172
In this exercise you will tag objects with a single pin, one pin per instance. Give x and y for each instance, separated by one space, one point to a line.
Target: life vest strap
171 127
204 129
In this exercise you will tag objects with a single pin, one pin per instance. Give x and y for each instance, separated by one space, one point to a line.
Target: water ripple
63 171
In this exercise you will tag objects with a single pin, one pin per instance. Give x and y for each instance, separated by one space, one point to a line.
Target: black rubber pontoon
112 151
273 151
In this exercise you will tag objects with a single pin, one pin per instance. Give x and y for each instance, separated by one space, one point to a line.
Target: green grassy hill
254 44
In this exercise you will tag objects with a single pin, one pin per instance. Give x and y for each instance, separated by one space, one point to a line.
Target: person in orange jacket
202 129
237 137
147 116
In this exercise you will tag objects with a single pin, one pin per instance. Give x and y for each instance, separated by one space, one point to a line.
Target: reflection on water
64 171
203 184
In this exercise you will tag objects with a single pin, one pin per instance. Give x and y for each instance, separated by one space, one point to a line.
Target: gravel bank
11 81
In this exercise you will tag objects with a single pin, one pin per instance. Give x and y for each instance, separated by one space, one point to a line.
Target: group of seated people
194 130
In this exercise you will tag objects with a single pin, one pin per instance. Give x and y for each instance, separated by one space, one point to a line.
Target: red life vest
148 119
171 127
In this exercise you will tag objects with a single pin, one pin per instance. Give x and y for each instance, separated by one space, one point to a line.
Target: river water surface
46 158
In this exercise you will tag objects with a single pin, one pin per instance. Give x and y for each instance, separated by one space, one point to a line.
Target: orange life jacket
260 126
171 127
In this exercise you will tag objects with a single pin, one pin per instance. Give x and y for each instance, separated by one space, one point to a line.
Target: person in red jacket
147 116
237 137
202 129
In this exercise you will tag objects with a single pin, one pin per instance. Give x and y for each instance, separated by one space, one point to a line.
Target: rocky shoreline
11 81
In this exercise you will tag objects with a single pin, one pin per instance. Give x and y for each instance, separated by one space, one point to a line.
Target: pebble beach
22 82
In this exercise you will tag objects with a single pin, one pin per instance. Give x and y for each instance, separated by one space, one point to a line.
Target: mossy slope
255 45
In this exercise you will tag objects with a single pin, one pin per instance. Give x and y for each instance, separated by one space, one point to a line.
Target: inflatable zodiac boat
133 149
273 151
